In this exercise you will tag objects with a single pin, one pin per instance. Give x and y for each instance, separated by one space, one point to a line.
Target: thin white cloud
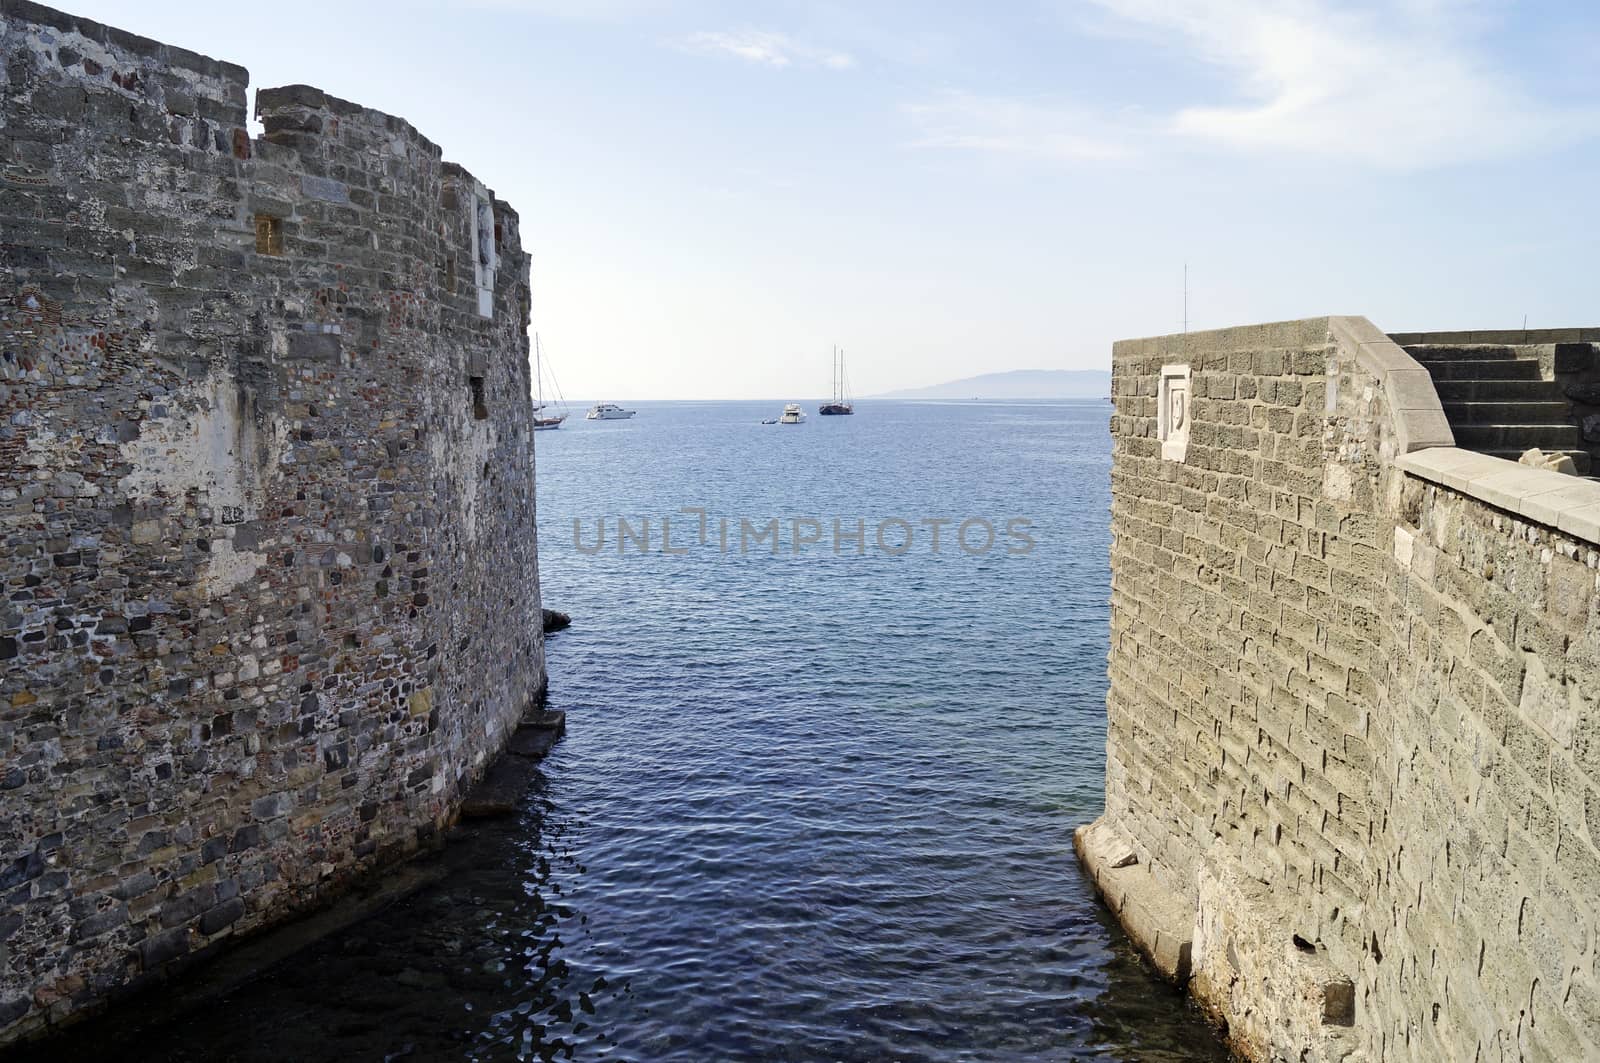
1037 128
764 48
1394 84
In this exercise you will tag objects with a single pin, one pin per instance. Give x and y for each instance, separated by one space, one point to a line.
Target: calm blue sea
812 805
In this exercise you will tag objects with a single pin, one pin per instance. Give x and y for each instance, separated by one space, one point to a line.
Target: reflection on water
812 807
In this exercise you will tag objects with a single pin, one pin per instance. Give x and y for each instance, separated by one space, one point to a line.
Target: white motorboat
792 414
608 411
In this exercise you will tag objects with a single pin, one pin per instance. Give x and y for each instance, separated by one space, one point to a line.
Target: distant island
1016 384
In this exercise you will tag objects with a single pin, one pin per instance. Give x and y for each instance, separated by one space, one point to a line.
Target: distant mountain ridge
1016 384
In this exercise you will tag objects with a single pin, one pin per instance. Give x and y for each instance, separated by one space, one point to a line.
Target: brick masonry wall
1352 738
267 503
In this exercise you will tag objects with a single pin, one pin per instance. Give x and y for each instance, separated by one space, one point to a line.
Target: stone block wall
1485 911
269 569
1350 784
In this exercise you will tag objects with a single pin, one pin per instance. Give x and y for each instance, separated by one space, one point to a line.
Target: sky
716 193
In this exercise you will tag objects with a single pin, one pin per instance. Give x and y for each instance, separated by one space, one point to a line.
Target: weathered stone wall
1489 736
1353 752
266 497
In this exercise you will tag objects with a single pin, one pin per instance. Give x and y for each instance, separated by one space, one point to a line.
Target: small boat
769 420
608 411
542 424
792 414
841 402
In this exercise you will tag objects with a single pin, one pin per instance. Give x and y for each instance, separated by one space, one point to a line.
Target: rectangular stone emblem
1172 413
485 247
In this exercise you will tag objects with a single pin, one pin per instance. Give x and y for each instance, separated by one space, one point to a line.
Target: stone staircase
1498 401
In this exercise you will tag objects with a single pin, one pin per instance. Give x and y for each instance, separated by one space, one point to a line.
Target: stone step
1502 412
1517 437
1498 391
1487 369
1462 352
1564 357
1580 458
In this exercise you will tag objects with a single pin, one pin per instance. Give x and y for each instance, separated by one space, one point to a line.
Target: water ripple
826 801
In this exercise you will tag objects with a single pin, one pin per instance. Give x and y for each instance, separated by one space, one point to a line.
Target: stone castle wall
1353 764
266 498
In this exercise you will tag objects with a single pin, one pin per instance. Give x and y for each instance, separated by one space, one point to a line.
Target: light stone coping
1555 499
1419 420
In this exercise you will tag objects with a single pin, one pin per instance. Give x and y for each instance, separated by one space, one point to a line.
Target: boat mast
538 372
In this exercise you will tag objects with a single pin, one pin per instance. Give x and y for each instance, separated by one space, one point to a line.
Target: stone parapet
1558 501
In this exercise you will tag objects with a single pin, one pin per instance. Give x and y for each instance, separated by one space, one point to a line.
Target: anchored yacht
792 414
542 423
608 411
840 403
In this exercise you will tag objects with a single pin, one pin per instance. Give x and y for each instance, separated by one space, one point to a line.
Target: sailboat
541 423
841 401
